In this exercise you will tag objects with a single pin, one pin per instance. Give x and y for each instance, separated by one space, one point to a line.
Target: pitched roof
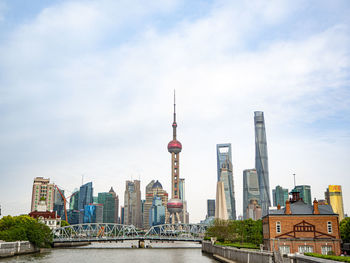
301 208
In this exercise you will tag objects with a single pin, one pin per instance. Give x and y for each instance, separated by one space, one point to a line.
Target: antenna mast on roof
294 180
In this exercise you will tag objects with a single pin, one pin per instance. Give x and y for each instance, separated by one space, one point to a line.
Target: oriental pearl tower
174 147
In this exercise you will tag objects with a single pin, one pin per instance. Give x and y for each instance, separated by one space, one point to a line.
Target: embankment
9 249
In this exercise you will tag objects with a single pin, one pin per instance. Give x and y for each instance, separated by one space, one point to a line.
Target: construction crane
65 201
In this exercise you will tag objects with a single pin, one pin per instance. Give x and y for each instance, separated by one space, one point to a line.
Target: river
100 253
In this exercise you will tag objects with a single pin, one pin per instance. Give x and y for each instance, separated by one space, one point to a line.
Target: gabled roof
301 208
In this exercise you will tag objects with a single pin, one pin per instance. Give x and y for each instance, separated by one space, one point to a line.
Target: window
285 249
304 249
326 249
278 227
329 227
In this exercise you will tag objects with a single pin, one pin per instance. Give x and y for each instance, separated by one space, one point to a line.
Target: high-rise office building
304 193
132 203
175 205
58 205
157 212
280 196
184 215
74 200
225 175
108 202
334 197
153 189
210 208
122 215
42 190
223 153
250 190
148 203
85 198
93 213
73 217
116 205
261 162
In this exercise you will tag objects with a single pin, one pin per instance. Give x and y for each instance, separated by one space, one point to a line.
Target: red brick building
299 227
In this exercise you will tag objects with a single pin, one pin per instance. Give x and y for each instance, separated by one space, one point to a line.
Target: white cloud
77 102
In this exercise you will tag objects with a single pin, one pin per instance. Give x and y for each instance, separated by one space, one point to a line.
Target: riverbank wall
229 254
70 244
9 249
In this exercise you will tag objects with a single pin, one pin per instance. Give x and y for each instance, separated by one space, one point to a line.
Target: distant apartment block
43 190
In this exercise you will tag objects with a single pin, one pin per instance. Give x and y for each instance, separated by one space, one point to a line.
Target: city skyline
86 89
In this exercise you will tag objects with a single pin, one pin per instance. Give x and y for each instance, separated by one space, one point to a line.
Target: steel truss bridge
100 232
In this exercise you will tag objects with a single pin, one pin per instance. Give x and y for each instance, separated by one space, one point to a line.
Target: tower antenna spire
174 107
174 122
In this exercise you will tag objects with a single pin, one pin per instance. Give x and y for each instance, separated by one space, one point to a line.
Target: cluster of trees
345 230
243 231
25 228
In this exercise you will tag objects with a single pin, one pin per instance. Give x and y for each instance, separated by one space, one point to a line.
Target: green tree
21 228
246 231
64 223
345 230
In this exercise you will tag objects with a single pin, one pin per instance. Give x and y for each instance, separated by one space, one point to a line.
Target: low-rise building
299 227
51 219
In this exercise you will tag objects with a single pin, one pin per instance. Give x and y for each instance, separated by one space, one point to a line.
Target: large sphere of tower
174 205
174 146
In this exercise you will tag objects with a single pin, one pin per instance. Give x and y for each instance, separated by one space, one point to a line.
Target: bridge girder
114 232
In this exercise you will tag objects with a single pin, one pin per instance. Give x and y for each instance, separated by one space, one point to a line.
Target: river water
100 253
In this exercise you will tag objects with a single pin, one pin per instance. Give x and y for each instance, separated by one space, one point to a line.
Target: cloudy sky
86 88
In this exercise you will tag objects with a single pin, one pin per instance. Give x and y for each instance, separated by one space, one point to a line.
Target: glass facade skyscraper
225 175
157 212
250 190
279 196
304 193
261 161
93 213
108 202
210 208
85 198
58 204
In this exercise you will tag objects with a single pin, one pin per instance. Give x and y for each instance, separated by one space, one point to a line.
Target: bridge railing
106 231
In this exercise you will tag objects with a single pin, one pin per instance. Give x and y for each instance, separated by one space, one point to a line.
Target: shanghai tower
261 163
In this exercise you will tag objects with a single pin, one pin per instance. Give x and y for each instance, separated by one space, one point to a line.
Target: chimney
316 211
287 210
278 207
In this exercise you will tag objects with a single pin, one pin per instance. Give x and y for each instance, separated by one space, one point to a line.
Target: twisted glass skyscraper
261 163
